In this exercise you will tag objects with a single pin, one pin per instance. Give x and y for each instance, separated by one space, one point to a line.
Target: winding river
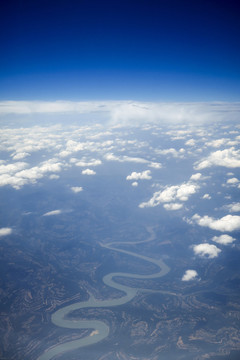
100 329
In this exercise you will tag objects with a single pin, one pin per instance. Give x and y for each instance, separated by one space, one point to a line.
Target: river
99 328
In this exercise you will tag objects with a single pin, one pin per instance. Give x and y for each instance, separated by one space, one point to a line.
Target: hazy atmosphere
120 180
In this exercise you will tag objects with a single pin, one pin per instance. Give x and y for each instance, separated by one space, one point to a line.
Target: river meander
99 328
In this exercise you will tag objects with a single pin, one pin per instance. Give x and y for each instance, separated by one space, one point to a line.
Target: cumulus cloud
171 194
206 250
234 207
206 196
53 212
233 181
144 175
76 189
217 143
173 152
135 183
196 176
173 206
155 165
12 168
189 275
20 155
12 174
88 172
223 239
226 223
5 231
71 147
190 142
229 158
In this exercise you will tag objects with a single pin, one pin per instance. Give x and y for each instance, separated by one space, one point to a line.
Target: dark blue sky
144 50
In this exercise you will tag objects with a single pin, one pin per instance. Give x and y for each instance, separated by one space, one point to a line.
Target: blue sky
163 50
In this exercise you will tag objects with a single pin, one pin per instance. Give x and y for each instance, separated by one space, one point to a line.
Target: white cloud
206 196
189 275
196 176
54 177
76 189
208 250
171 194
31 175
233 181
173 152
155 165
88 172
20 155
71 147
234 207
217 143
173 206
223 239
92 162
5 231
52 213
226 223
229 158
135 183
190 142
112 157
130 112
12 168
144 175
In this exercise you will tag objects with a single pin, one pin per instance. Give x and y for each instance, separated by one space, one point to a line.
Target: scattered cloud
226 223
92 162
5 231
234 207
190 142
155 165
53 213
17 175
171 194
229 158
135 183
20 155
173 206
173 152
217 143
223 239
206 250
54 177
76 189
144 175
189 275
88 172
124 158
233 181
196 176
12 168
206 196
